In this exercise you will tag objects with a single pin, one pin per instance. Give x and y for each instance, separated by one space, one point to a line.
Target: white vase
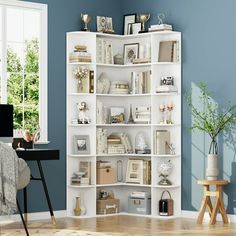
212 170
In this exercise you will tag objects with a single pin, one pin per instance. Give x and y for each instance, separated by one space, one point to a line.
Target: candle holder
162 109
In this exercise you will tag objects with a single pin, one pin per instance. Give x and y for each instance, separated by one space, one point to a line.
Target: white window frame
43 61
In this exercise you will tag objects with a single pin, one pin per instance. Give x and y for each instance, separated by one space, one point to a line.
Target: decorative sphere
165 167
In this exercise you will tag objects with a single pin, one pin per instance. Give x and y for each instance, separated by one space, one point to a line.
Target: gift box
106 176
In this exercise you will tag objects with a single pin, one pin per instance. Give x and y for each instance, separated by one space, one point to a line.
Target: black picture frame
126 21
133 47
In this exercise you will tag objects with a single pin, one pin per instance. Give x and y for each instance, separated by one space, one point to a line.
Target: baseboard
194 214
32 216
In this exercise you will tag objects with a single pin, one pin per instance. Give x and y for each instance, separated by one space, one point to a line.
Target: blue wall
209 36
63 16
208 53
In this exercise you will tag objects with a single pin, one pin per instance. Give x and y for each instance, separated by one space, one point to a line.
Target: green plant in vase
212 120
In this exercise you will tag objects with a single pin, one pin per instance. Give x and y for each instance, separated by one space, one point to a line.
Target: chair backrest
23 174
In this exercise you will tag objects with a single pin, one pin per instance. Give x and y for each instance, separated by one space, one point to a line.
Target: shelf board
81 186
124 66
168 186
123 125
81 125
80 94
125 154
166 63
123 184
123 95
166 217
166 125
166 94
167 156
126 214
81 63
81 155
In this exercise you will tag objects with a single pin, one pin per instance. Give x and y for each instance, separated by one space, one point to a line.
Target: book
85 166
167 51
91 81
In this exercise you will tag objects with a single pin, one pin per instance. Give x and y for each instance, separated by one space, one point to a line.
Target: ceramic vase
212 170
77 209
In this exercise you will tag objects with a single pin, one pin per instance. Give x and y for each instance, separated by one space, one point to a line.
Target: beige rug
48 232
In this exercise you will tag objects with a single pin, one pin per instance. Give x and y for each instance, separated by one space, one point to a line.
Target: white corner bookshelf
115 72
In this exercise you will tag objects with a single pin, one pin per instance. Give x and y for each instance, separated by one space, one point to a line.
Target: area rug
48 232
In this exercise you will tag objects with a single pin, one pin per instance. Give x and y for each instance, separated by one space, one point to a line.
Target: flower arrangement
211 119
80 73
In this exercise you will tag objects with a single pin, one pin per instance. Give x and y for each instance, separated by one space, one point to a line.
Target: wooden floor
129 225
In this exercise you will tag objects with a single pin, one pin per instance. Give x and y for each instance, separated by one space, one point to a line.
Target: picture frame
81 144
135 28
134 172
104 24
117 115
131 52
127 19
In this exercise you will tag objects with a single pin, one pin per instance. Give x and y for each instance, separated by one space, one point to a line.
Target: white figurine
82 108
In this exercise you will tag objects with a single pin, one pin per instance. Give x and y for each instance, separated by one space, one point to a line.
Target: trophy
142 19
86 19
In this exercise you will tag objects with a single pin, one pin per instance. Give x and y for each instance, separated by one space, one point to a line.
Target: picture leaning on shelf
138 171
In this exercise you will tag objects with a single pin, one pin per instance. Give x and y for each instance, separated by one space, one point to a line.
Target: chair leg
22 218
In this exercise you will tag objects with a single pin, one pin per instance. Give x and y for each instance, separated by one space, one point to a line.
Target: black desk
39 155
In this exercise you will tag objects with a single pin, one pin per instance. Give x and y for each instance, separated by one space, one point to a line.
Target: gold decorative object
143 18
77 209
86 19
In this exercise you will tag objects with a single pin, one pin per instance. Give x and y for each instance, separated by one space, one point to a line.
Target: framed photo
131 52
130 18
81 144
117 115
135 28
134 173
104 24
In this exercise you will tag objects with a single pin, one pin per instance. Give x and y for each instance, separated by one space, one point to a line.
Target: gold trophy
142 18
86 19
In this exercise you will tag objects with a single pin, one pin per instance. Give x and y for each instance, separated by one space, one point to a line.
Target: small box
140 205
106 176
108 206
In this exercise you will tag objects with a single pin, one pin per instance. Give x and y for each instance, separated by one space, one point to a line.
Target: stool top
213 182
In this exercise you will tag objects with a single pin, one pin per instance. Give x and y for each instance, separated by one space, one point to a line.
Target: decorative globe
165 168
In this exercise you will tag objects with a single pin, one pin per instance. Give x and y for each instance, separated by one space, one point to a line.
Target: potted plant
212 120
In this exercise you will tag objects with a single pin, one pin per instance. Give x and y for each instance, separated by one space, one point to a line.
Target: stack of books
161 27
114 144
103 164
83 176
80 54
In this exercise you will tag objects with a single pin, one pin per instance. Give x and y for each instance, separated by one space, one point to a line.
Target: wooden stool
206 201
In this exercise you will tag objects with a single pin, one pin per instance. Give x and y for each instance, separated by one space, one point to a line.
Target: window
23 63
